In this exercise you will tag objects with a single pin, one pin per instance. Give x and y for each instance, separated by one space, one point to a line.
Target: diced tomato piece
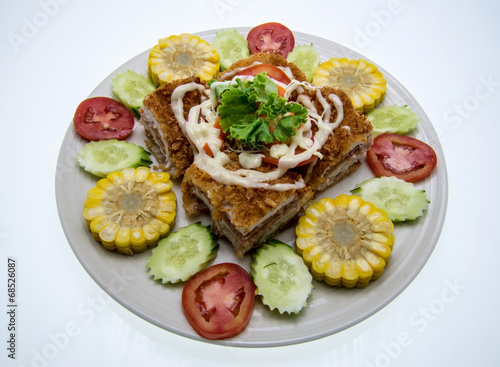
222 135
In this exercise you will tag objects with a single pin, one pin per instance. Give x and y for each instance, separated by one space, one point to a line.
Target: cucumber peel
102 157
281 277
130 88
392 119
306 58
400 200
231 46
183 253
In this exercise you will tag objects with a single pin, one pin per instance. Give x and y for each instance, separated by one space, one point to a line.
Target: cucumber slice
131 88
401 200
105 156
231 46
392 119
307 59
183 253
282 279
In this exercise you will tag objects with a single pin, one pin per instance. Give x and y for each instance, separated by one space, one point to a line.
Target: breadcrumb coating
246 216
180 152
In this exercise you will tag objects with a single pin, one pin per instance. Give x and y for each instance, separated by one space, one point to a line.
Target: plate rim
443 180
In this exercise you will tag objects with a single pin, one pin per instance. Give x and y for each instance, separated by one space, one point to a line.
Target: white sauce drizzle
200 130
250 160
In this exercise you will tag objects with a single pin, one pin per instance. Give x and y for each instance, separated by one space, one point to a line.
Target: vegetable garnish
282 279
360 79
253 113
392 119
103 157
271 37
345 241
218 301
183 253
402 156
130 88
101 118
182 56
400 200
131 209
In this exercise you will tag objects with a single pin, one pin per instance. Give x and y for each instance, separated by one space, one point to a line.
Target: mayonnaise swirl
200 130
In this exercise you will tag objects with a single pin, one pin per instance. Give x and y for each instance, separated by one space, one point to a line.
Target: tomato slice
102 118
271 37
402 156
272 71
218 301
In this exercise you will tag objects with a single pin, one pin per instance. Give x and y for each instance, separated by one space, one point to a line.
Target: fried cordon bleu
165 138
248 216
344 150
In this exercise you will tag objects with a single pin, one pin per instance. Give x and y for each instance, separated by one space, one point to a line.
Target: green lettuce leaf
253 113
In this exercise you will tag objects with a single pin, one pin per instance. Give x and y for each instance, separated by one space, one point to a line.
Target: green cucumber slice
231 46
307 59
183 253
131 88
282 279
102 157
392 119
400 200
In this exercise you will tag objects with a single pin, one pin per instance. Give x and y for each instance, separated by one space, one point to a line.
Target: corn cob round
345 241
361 80
182 56
131 209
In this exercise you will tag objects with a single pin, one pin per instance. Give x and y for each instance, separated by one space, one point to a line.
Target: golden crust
239 213
159 103
354 129
245 206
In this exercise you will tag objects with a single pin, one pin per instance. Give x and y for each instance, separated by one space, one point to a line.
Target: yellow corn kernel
131 209
345 241
182 56
360 79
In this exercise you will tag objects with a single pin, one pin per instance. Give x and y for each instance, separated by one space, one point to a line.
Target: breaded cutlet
250 216
246 216
165 138
343 151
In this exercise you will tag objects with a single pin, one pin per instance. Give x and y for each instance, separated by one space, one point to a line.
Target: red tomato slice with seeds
103 118
218 301
271 37
402 156
272 72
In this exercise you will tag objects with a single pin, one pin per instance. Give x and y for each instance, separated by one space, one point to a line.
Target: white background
54 53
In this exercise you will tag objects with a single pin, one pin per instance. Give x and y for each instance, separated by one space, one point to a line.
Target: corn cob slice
182 56
131 209
345 241
360 79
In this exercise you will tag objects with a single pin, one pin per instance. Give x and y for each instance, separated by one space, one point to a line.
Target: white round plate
329 310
